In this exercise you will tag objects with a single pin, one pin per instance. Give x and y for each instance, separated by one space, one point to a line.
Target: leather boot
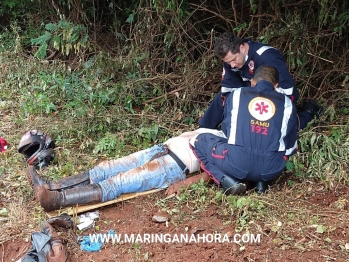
81 179
54 200
232 186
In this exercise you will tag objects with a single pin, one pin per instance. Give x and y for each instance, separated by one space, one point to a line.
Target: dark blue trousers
218 158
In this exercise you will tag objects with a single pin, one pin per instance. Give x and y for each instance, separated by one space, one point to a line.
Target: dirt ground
304 222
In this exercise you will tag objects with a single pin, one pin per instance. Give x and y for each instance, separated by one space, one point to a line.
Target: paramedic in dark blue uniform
240 60
260 125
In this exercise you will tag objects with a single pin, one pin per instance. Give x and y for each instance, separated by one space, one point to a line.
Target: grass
87 129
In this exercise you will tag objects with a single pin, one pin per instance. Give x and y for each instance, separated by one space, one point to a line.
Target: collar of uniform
264 85
248 55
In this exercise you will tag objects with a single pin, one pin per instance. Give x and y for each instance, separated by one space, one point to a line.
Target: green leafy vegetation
140 86
105 79
64 36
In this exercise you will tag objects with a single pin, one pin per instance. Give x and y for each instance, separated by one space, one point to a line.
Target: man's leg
110 168
158 173
210 151
309 110
99 173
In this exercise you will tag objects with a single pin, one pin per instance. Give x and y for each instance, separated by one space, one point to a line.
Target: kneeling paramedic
260 125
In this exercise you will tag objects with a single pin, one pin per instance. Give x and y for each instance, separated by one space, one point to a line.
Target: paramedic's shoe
310 106
232 186
261 187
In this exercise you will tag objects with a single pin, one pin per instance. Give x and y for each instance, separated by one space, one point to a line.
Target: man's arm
214 113
231 79
175 188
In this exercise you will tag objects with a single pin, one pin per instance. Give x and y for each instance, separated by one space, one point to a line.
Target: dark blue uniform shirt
261 129
233 78
259 54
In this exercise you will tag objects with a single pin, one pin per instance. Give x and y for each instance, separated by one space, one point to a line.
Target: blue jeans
136 173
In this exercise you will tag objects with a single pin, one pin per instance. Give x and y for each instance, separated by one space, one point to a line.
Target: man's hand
175 188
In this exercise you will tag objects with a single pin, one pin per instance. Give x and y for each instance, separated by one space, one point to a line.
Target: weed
149 134
16 8
136 250
8 39
197 195
108 144
245 208
290 182
328 158
64 36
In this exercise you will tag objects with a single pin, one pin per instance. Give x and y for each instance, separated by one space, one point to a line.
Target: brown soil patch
286 234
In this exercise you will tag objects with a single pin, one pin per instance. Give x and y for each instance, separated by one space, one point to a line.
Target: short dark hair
268 73
227 42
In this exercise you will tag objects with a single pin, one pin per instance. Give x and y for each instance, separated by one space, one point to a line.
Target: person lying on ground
155 167
260 125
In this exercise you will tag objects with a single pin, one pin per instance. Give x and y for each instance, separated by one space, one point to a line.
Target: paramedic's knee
206 140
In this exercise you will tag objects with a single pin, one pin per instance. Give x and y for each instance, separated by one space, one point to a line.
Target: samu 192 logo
261 108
